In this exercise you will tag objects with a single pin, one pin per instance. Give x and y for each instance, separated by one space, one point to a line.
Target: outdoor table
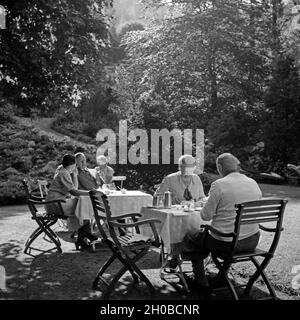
120 203
175 224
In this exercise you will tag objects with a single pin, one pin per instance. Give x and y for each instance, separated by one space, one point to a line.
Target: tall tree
52 52
282 115
200 59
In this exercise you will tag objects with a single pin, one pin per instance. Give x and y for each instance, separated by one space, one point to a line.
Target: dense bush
26 153
281 118
7 111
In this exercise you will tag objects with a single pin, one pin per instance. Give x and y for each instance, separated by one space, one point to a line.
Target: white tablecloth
130 202
175 223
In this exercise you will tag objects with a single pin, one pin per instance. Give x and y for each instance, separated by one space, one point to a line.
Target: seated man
104 171
86 180
184 184
231 189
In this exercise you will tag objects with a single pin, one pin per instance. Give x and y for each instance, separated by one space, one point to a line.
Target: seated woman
62 187
104 171
184 184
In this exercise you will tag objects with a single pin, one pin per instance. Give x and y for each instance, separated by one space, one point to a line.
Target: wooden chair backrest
119 178
27 186
257 212
43 187
99 211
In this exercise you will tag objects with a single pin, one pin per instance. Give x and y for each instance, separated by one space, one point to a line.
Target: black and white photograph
150 153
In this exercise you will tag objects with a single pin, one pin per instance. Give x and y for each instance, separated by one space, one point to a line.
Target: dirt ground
70 275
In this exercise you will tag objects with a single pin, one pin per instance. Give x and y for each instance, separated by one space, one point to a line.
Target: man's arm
109 175
74 176
210 208
201 193
164 186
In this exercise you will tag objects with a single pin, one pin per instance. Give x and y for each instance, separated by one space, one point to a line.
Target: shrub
7 111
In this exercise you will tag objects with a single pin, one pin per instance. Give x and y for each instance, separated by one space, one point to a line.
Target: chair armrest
142 222
36 198
128 215
134 224
217 232
47 202
268 229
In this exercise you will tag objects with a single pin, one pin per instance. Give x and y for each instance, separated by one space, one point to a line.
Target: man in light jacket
233 188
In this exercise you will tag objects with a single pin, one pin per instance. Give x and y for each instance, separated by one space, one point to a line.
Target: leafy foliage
201 61
282 114
52 53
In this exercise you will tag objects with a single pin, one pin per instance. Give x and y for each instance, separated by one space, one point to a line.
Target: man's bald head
227 163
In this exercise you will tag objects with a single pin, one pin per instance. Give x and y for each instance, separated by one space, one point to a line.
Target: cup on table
201 203
105 189
158 201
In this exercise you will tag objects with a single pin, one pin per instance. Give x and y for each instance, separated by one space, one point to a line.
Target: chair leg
129 264
41 229
102 270
106 265
230 286
223 270
50 233
112 284
132 264
32 237
260 271
133 274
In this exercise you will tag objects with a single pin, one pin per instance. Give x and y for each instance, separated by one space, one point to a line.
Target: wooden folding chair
128 248
43 187
253 212
119 178
30 193
43 219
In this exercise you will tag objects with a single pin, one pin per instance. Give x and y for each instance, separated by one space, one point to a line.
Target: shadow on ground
70 275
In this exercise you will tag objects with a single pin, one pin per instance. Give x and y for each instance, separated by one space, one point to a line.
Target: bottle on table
167 199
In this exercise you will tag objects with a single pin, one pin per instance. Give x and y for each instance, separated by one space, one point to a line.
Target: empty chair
253 212
43 187
119 178
30 193
128 248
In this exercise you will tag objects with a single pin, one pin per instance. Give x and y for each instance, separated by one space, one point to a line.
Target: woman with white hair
184 184
104 171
